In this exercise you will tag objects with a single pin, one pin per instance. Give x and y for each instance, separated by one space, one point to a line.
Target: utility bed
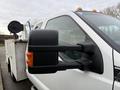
15 57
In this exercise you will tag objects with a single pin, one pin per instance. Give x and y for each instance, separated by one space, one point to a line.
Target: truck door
72 33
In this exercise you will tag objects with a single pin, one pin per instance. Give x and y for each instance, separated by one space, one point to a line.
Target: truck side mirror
42 55
15 27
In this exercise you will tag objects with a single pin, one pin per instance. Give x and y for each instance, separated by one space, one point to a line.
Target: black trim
100 33
55 48
113 70
54 68
117 75
117 67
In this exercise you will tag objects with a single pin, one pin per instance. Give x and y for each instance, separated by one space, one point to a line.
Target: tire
11 73
9 70
13 77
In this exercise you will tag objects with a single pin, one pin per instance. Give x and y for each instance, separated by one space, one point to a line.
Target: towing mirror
15 27
42 55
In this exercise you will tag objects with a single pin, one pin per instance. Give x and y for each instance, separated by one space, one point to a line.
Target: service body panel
15 56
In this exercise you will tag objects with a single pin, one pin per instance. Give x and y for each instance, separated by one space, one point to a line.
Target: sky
24 10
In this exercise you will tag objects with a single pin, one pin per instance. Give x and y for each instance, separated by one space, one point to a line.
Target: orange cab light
94 10
29 59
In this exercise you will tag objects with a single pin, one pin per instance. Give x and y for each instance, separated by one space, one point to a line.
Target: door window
69 33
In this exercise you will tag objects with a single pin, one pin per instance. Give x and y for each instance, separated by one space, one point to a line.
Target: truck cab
84 27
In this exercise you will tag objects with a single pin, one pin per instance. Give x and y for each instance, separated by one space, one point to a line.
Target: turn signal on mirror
29 58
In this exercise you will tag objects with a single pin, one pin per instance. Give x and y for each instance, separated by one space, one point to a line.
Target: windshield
109 26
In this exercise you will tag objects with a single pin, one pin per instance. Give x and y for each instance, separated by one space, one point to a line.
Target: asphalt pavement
8 83
1 83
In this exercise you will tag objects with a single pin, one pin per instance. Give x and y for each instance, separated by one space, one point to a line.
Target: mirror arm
79 47
69 65
54 48
86 64
59 67
54 68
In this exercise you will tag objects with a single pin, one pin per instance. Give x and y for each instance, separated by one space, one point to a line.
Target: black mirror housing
43 44
44 38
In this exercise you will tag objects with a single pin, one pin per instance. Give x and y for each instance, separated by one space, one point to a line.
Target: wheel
13 77
11 73
9 70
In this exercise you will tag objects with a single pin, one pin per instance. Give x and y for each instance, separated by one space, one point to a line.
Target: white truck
85 55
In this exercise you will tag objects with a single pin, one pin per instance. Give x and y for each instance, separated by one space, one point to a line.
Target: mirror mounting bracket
82 65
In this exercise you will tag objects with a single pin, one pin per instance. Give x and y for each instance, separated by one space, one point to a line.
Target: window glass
108 25
69 33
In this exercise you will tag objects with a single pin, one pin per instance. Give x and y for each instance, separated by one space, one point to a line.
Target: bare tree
113 11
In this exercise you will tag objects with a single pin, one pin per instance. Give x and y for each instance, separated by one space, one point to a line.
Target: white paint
37 83
116 58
